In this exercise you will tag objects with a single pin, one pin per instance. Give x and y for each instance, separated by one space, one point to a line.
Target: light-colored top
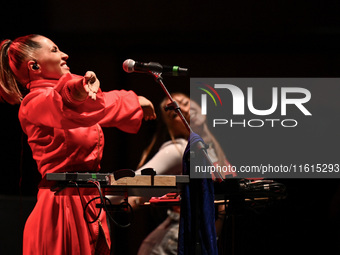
168 160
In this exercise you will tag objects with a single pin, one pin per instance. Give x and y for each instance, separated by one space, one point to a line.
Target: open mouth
64 65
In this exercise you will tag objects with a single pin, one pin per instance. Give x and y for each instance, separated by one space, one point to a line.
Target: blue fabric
197 224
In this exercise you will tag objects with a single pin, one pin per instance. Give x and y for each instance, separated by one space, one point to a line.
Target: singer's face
50 60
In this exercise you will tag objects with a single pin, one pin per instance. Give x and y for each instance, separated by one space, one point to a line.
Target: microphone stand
202 148
196 185
174 106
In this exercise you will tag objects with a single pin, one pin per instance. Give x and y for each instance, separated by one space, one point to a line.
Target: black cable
97 217
105 208
103 205
122 205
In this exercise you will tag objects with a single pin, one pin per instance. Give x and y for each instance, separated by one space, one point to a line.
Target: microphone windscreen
128 65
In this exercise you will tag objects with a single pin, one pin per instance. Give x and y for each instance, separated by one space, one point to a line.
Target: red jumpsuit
65 135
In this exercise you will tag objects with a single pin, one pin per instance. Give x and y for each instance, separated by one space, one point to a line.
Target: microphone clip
171 106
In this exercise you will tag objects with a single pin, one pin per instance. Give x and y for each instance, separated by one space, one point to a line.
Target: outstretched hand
148 108
91 84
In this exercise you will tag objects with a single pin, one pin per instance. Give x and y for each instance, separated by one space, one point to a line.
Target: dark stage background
215 39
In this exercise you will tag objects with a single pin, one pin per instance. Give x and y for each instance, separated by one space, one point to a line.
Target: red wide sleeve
49 106
130 114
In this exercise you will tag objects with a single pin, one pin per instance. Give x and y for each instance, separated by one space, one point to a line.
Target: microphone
131 66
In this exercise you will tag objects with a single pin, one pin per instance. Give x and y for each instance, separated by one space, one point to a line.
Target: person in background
62 115
171 141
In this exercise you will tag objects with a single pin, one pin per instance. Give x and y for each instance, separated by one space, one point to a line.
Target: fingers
148 114
148 108
92 84
151 115
90 77
90 93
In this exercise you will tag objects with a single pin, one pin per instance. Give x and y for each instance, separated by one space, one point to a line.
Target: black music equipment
104 178
250 188
120 182
78 177
150 184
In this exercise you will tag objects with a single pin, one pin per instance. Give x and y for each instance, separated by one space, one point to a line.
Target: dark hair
13 55
162 134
